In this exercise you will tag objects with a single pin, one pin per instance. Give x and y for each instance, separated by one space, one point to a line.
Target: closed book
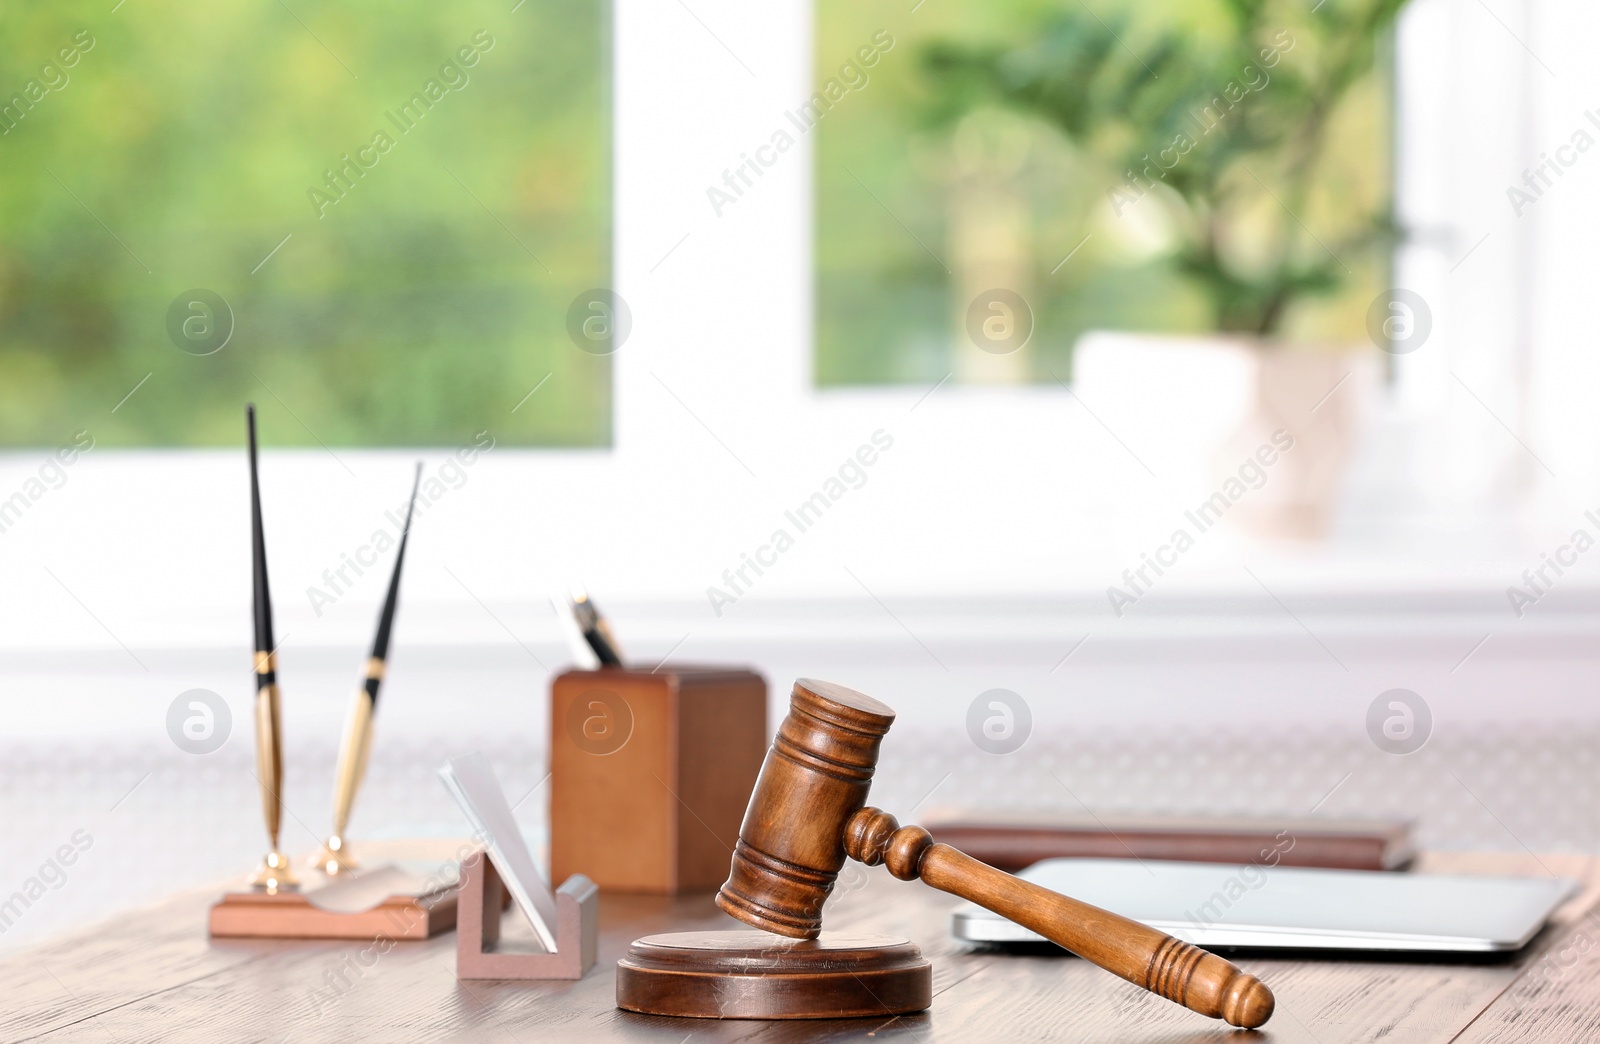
1013 840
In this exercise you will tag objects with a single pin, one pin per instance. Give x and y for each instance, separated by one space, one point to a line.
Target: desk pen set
338 899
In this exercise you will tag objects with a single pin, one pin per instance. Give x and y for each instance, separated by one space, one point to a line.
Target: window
373 221
1016 173
721 377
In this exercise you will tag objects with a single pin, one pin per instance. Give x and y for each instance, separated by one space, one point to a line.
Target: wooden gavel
807 814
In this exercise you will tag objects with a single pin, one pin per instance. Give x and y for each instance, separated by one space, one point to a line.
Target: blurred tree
190 147
1201 127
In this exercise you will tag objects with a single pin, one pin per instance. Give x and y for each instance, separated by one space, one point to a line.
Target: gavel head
816 776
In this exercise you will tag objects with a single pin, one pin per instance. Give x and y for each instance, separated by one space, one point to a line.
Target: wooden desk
152 975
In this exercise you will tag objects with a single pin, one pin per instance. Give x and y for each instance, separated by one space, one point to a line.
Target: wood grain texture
658 812
1563 983
290 915
1176 970
756 975
816 775
152 975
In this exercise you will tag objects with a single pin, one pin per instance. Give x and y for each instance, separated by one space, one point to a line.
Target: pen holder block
482 904
650 772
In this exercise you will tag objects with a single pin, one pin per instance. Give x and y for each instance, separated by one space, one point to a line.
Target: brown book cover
1013 840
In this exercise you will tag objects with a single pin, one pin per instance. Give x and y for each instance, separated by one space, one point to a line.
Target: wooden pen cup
650 772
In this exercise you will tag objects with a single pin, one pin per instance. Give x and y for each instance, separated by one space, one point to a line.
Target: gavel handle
1186 974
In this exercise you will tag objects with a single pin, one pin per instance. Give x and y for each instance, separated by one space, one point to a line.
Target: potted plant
1227 142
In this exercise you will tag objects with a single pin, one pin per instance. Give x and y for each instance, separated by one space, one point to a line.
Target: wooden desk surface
153 975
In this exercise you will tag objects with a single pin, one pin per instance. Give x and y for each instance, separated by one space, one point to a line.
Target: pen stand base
290 915
482 903
757 975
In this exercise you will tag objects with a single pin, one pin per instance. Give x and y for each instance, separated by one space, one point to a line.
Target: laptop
1286 907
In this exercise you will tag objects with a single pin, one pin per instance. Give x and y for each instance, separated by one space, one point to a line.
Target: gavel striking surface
758 975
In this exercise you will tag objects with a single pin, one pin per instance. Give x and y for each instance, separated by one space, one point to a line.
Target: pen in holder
334 858
274 872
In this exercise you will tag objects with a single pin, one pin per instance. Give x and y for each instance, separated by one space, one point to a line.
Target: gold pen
274 872
357 743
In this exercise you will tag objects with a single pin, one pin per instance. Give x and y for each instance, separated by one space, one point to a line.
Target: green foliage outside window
396 205
1130 164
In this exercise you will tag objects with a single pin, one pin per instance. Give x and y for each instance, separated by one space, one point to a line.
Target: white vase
1200 408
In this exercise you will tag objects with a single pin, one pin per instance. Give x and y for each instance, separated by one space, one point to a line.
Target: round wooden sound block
757 975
